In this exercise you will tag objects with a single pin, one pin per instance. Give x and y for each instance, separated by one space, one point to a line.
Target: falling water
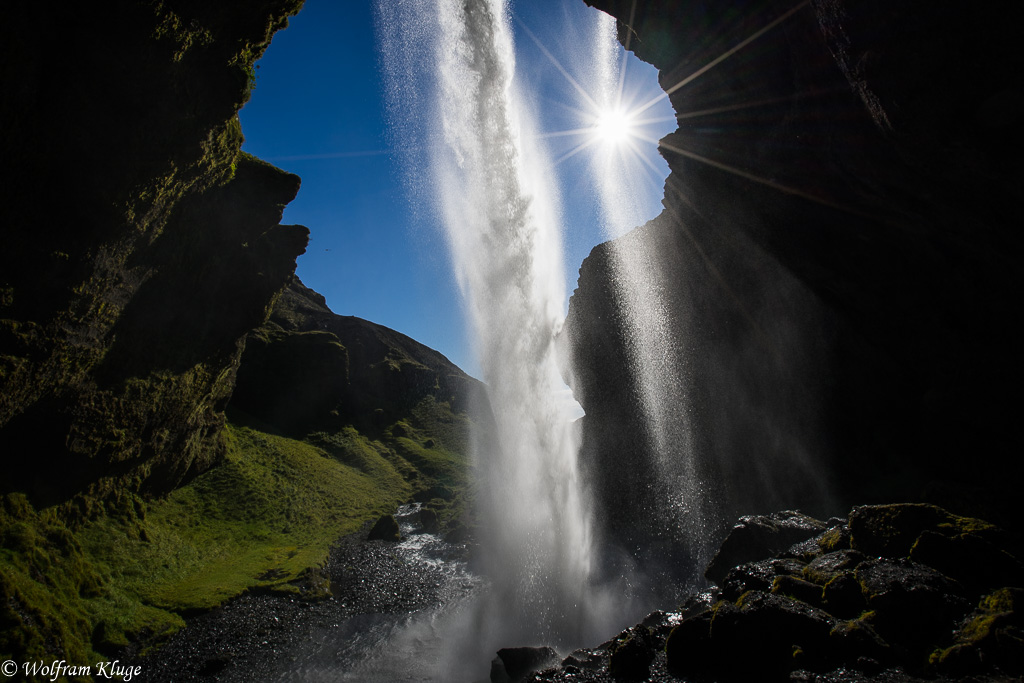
657 365
492 186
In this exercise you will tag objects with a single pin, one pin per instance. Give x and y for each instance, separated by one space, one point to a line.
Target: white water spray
494 191
652 344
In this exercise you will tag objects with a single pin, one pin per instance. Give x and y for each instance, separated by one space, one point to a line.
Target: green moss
992 635
832 540
798 589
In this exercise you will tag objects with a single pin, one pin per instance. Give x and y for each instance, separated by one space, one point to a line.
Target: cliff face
140 245
308 369
836 259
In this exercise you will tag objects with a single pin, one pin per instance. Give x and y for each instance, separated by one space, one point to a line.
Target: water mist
656 357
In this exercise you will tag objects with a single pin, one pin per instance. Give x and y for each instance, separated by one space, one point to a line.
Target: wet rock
459 533
630 657
758 576
429 521
688 649
826 567
891 530
515 663
661 623
969 558
991 636
841 596
798 589
385 529
760 536
855 643
590 659
913 605
775 633
834 538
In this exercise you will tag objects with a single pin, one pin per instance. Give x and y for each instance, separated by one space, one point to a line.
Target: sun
614 127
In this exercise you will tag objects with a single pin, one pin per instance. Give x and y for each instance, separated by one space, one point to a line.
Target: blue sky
318 110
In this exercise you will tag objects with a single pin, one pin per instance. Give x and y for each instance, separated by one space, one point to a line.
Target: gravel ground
264 636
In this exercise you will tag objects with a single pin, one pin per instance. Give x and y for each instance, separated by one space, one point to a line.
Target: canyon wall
837 262
140 245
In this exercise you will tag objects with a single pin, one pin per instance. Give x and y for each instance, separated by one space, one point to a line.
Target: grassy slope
264 518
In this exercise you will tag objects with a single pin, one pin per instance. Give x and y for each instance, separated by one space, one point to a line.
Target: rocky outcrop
308 369
140 246
867 603
833 265
857 601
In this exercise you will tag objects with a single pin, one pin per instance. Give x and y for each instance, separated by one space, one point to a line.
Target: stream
399 612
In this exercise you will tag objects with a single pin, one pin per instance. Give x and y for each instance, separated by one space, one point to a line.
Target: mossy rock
855 643
991 637
631 654
798 589
914 605
836 538
978 554
825 567
429 521
969 558
842 596
891 530
771 635
756 537
758 576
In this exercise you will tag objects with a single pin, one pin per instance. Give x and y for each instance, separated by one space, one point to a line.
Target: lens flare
614 127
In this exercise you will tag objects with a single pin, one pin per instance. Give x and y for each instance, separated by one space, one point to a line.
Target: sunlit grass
262 519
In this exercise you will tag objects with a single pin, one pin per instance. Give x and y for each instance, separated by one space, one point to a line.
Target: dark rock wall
837 251
140 245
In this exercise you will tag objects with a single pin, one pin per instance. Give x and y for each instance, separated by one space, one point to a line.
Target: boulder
688 648
770 635
913 604
841 595
891 530
515 663
759 536
386 529
429 521
824 568
991 636
630 657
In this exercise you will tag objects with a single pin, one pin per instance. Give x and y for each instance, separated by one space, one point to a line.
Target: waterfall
493 188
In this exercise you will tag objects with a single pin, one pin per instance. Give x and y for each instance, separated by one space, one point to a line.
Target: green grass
264 519
258 520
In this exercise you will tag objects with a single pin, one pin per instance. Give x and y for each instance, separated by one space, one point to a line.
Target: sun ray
564 133
558 65
576 150
722 57
622 69
757 103
629 33
787 189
